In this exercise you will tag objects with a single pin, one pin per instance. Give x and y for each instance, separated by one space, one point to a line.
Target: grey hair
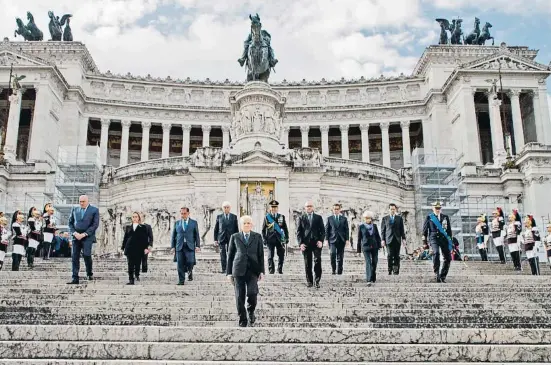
244 219
368 213
226 204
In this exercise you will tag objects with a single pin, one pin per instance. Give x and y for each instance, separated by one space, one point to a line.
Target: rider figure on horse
255 20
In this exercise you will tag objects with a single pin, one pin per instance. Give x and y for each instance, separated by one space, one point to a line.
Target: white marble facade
168 143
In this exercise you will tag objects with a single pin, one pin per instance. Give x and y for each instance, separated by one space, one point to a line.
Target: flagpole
7 117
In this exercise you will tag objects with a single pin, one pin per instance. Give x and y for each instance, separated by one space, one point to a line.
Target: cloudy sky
313 39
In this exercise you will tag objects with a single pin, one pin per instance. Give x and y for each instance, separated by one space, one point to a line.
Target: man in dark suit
310 236
185 242
437 229
276 236
226 225
338 236
83 222
245 268
150 242
393 236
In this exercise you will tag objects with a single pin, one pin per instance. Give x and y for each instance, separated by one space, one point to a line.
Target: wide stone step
412 321
217 351
176 362
372 305
272 335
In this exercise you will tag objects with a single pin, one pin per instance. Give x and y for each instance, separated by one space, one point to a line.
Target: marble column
324 129
124 142
427 135
84 121
41 123
12 130
385 143
304 129
104 140
498 146
344 141
186 129
541 110
406 145
518 128
285 136
225 137
471 139
364 128
166 140
206 135
146 126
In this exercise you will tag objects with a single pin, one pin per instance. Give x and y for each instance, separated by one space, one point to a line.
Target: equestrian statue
29 32
55 27
258 55
476 37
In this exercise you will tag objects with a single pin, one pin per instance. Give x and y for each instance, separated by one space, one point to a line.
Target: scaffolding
78 173
435 178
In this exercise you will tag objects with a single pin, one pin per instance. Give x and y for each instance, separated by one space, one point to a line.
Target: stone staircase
485 313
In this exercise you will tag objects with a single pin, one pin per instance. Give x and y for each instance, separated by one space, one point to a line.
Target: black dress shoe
144 270
74 282
181 283
137 278
310 285
252 318
90 277
317 285
280 271
438 279
131 282
190 276
390 273
443 280
242 324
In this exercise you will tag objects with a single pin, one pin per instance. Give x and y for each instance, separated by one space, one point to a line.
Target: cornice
455 52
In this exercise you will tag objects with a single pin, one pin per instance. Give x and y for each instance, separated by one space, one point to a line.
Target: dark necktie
81 213
310 218
391 219
185 225
247 239
226 216
337 218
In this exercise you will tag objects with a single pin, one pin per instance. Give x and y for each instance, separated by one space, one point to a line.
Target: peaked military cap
274 203
436 204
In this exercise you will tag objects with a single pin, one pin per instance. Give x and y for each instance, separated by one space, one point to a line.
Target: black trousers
245 286
515 256
534 265
274 247
182 265
393 257
30 256
501 253
447 256
144 263
223 254
134 264
483 254
15 261
315 253
336 252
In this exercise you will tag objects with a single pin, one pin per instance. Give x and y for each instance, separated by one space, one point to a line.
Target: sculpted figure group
30 32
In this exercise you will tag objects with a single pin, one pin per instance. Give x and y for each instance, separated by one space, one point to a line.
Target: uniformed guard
275 235
481 231
437 231
514 228
548 243
498 223
530 237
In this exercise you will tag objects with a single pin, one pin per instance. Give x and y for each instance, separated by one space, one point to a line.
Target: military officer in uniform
437 231
275 235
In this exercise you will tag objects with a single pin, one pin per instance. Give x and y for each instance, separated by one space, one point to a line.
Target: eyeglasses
309 206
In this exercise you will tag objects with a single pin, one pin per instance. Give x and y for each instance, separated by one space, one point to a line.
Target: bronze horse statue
29 32
485 35
257 52
472 38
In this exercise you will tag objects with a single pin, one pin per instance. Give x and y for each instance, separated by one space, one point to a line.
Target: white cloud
549 104
504 6
313 39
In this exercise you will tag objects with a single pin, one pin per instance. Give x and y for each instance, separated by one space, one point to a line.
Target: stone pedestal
257 119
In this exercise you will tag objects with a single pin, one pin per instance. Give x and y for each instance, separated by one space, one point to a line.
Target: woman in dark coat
135 246
370 241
